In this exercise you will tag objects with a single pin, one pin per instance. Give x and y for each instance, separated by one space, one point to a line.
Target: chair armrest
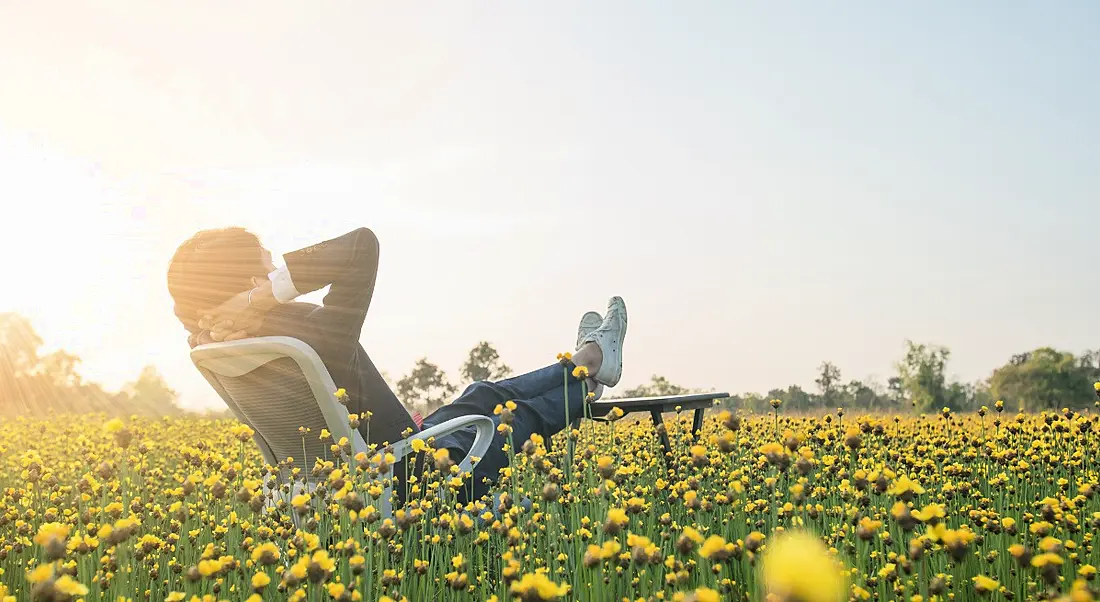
483 438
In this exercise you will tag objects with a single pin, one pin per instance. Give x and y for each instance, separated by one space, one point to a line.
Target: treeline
1041 379
37 384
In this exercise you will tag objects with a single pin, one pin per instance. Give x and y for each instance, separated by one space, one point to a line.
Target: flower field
990 506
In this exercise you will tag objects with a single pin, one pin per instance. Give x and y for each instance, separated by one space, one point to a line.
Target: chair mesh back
276 400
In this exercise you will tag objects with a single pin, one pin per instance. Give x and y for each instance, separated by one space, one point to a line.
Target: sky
768 185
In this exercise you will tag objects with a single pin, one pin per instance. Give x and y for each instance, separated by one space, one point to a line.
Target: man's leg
481 398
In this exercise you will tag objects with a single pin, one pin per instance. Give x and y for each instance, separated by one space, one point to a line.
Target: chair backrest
277 385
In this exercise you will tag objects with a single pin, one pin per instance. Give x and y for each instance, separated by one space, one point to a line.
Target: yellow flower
714 548
706 594
70 587
797 566
266 553
580 372
904 487
533 587
693 535
114 425
930 513
442 455
241 431
617 516
336 589
418 445
208 568
260 580
1047 559
52 536
985 585
40 573
1050 544
322 560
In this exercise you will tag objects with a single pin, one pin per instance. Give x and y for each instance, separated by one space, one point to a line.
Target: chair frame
236 358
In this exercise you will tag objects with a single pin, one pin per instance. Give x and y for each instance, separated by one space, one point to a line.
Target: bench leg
666 445
697 425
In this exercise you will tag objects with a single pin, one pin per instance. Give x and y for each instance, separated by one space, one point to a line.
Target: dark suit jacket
348 265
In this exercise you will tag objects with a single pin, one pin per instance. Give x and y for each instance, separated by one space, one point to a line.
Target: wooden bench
656 407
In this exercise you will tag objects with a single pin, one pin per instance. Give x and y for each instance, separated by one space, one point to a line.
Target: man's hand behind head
240 316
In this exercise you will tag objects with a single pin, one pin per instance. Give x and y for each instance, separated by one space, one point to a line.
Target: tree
828 382
895 390
150 395
797 399
36 384
1089 363
749 402
426 386
863 395
484 363
1044 379
968 397
922 378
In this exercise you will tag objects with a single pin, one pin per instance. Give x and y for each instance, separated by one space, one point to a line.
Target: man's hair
211 267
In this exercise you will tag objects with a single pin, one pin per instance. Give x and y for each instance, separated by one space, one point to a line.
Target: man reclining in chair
225 287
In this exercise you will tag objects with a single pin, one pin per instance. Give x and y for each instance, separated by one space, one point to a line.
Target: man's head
212 266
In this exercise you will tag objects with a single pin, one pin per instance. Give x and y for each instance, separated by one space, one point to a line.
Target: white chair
276 385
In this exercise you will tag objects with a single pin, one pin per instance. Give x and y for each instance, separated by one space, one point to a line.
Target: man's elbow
366 239
366 249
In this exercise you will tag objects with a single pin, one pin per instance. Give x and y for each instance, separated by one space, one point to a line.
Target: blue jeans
540 399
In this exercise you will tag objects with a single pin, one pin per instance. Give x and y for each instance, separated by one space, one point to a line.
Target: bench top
689 401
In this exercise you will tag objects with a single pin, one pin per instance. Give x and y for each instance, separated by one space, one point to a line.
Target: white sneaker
610 336
590 321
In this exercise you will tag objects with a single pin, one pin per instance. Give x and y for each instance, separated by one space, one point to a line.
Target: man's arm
349 266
